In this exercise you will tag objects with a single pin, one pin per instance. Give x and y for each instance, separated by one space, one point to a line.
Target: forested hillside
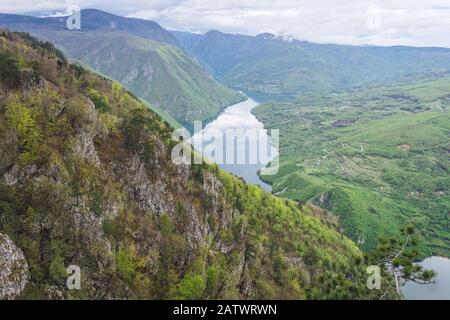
86 179
140 55
377 158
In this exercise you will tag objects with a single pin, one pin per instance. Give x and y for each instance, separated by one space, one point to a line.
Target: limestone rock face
14 272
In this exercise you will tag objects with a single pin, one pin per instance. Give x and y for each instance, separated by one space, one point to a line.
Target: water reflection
239 117
438 291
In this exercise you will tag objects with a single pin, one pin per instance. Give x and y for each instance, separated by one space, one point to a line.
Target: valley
238 117
86 174
86 179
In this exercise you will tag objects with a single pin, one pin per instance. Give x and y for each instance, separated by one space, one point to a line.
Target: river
438 291
239 116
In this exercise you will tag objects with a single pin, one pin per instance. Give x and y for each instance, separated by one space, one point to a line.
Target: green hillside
164 115
86 179
270 68
154 70
377 158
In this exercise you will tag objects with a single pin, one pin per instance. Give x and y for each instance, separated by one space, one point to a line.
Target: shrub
9 70
192 287
100 101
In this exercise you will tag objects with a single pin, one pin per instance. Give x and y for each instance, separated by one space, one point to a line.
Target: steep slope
272 68
153 70
86 179
377 158
161 74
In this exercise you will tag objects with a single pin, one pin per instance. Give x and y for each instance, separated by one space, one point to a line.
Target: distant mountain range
272 68
141 55
152 62
91 20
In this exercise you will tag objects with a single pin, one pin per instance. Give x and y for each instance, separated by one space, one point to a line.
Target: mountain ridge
154 69
284 70
94 20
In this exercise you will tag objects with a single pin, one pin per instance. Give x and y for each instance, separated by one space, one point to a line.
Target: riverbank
240 117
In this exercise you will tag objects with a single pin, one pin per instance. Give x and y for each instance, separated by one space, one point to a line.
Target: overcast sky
380 22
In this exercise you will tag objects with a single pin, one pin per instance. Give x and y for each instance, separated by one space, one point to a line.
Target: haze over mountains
271 67
265 66
92 21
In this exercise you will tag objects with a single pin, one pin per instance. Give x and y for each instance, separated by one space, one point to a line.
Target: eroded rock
14 272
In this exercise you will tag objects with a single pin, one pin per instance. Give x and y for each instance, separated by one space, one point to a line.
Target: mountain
92 20
159 73
140 55
269 67
86 180
377 158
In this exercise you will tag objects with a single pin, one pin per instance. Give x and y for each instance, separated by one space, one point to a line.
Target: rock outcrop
14 273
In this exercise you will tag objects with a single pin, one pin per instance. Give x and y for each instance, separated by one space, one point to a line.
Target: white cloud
381 22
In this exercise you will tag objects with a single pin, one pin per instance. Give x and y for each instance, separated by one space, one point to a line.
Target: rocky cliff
13 269
86 180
